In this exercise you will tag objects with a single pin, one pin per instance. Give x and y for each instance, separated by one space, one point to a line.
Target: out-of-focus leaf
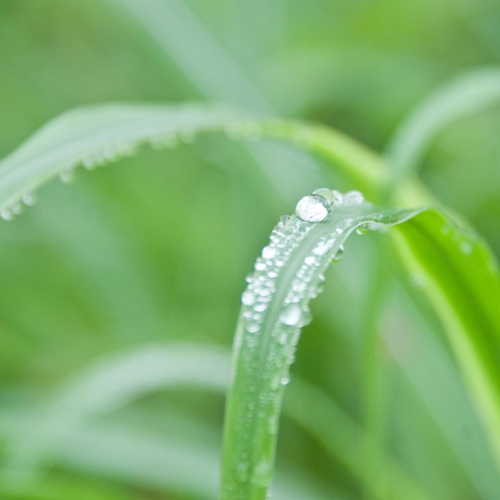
465 95
459 274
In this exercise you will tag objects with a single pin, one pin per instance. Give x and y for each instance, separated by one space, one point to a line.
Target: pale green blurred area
155 249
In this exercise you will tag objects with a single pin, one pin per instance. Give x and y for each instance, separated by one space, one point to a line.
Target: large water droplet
312 208
291 315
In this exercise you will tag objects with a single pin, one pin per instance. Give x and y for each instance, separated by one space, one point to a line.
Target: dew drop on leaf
268 252
241 472
29 199
363 229
67 175
7 214
253 327
353 198
466 247
248 297
291 315
340 253
312 208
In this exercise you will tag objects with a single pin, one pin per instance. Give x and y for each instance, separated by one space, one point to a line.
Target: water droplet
310 260
363 229
253 328
321 248
291 315
262 474
312 208
7 214
338 197
466 247
67 175
306 316
29 199
285 381
248 297
340 254
268 252
284 219
260 266
298 286
353 198
260 307
241 472
326 194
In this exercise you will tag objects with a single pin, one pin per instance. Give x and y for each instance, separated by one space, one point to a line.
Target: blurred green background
153 251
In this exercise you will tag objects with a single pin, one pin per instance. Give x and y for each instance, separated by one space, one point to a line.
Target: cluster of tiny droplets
16 208
101 158
295 314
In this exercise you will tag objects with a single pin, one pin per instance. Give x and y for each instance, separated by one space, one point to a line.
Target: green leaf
465 95
97 136
114 382
275 307
461 279
459 274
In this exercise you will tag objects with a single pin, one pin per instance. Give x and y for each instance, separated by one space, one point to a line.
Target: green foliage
153 254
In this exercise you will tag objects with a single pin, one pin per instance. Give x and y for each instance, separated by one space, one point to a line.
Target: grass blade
466 95
119 380
99 135
460 276
275 307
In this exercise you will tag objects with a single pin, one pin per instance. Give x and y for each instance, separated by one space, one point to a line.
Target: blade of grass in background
466 95
100 135
119 380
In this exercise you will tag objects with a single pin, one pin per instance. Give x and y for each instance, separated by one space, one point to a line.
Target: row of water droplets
234 129
100 158
262 356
